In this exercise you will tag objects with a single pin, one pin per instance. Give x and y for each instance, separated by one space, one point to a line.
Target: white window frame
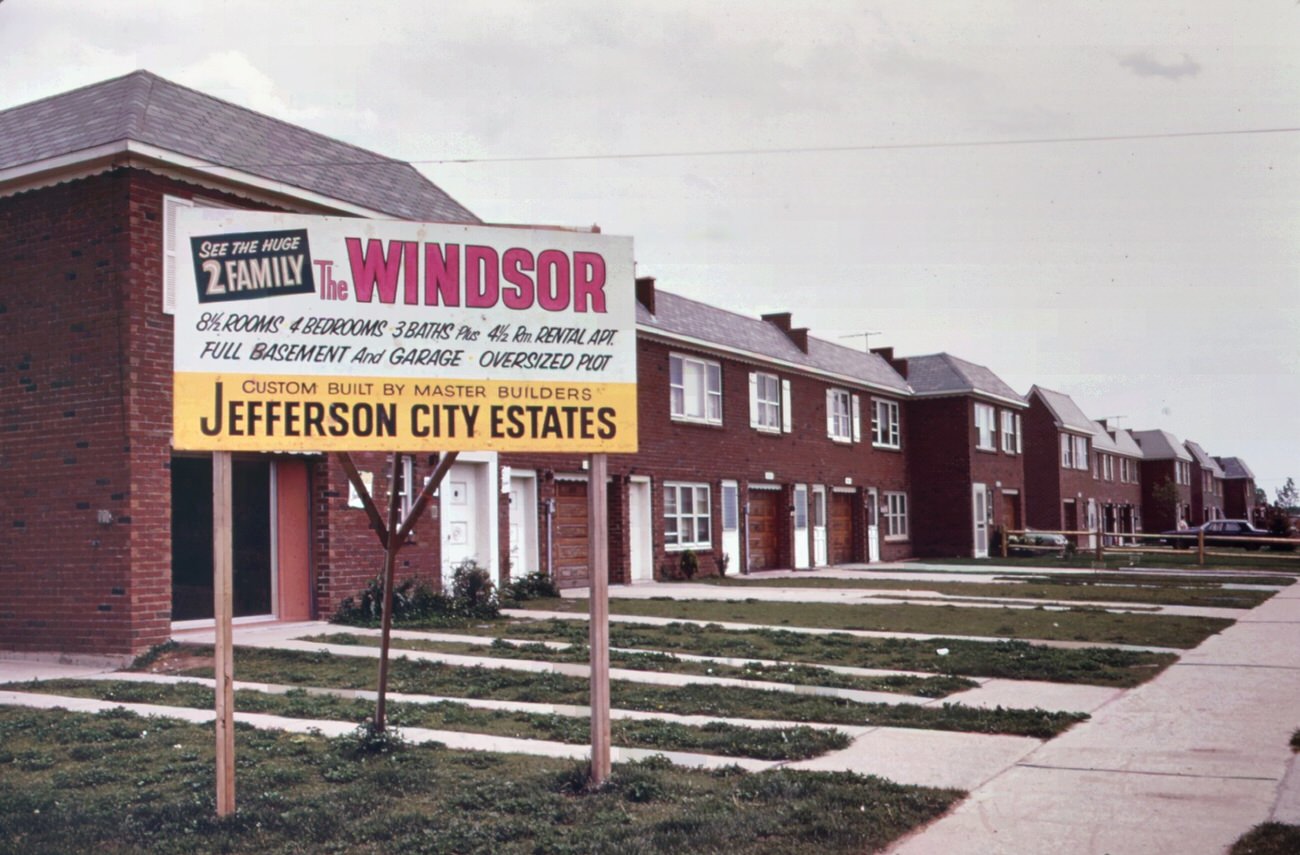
986 426
171 253
766 412
700 384
895 516
884 424
843 421
674 512
1010 432
1108 467
1067 451
1081 453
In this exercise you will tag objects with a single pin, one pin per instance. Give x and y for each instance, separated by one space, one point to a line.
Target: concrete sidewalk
1184 764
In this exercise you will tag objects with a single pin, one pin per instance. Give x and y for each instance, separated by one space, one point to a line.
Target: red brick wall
1156 517
945 464
63 437
1239 498
1042 467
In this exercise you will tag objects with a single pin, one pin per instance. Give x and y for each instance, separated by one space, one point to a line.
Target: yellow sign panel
339 334
248 412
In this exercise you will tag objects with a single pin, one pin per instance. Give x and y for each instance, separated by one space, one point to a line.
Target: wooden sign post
223 659
598 564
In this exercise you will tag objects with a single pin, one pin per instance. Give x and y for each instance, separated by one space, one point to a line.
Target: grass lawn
1181 560
1090 625
795 674
432 678
1269 838
728 740
1014 660
1033 589
116 783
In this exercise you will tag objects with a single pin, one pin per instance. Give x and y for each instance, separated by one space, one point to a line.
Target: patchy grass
1012 660
1030 588
432 678
1090 625
1269 838
795 674
1176 560
117 783
728 740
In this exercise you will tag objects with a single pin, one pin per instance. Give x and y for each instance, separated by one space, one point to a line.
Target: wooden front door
841 533
763 520
570 569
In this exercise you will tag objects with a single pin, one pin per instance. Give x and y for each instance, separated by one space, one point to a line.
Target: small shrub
412 600
724 561
534 586
472 593
689 564
367 740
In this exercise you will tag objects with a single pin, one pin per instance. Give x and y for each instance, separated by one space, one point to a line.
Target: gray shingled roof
1202 459
1235 467
1064 411
1126 444
1161 445
145 108
761 339
945 374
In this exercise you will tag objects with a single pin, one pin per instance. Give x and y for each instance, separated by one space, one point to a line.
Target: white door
980 506
800 526
640 545
731 525
873 525
465 525
819 526
1092 523
523 524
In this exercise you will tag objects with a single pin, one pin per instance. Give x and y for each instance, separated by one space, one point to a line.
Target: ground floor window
896 516
687 520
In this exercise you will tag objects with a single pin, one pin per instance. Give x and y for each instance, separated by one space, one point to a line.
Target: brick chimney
798 335
645 292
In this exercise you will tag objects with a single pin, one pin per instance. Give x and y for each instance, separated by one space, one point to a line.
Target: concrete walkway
1184 764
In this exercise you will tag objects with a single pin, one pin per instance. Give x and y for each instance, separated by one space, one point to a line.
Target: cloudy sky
806 156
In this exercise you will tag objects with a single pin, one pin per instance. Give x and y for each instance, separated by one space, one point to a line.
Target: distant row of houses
761 446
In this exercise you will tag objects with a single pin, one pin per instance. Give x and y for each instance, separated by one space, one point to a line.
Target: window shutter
170 205
786 416
857 419
753 399
1019 443
830 413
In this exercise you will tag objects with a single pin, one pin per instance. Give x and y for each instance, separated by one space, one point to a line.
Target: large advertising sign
300 333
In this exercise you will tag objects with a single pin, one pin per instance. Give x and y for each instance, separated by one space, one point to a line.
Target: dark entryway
192 537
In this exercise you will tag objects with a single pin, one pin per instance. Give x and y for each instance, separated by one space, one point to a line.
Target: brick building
1238 488
1082 477
1207 485
1166 481
966 446
107 532
759 446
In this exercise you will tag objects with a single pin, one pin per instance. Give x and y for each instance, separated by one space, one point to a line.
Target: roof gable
1235 467
1161 445
945 374
1202 459
1065 412
1125 443
144 108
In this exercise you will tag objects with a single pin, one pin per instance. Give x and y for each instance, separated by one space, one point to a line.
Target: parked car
1037 543
1230 533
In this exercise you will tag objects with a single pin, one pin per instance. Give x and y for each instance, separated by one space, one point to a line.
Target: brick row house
760 446
1082 477
1166 480
966 454
1238 488
1207 485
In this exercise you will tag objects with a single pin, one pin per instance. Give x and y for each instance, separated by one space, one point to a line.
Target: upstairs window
1011 432
843 421
884 424
985 427
1081 452
695 389
769 403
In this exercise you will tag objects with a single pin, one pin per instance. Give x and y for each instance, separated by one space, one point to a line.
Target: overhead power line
748 152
